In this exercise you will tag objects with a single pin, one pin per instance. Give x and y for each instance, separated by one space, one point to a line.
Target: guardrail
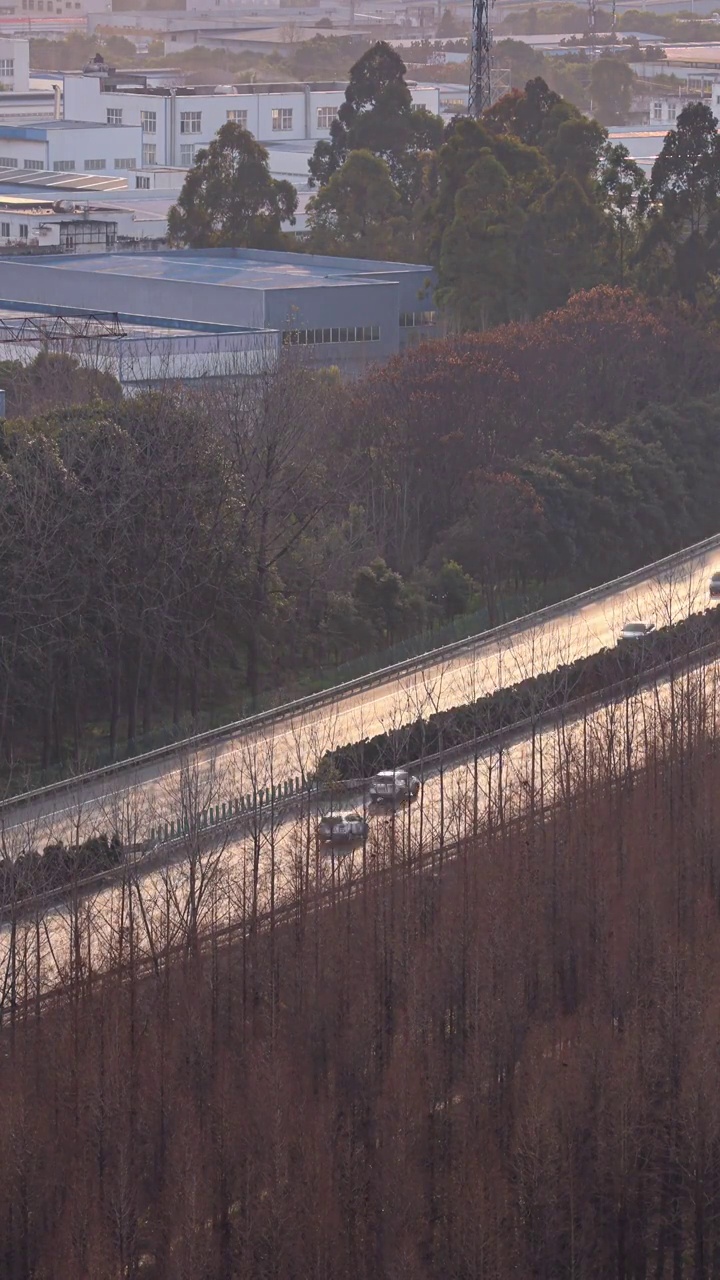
169 839
375 680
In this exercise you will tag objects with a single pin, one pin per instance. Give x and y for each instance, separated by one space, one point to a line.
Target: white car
637 629
395 785
336 829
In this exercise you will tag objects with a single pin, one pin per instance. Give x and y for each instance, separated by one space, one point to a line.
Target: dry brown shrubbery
504 1066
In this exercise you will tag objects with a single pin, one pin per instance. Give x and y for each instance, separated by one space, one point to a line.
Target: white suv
394 784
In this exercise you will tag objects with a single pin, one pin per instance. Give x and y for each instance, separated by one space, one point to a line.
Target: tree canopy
378 116
229 197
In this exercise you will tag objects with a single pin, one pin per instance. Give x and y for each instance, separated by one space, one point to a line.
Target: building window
414 319
129 163
325 116
148 120
63 166
657 110
142 182
7 68
237 117
187 154
281 119
149 153
95 166
114 115
190 121
24 231
315 337
672 110
5 230
38 165
7 162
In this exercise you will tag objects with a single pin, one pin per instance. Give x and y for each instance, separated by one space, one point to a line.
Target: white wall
72 148
15 65
84 101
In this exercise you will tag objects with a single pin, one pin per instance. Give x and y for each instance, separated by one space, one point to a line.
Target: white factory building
177 122
71 146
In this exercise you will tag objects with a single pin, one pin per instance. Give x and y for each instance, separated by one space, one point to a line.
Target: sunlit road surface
140 797
213 884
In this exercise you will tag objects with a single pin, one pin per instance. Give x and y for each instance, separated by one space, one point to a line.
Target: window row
91 165
23 231
50 7
7 162
311 337
414 319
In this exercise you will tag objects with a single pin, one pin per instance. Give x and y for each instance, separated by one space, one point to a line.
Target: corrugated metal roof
51 181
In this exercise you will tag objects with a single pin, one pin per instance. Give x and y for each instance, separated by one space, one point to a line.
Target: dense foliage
229 197
503 1067
166 560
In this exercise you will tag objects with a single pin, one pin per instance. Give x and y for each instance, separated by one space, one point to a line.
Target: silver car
394 785
637 629
336 829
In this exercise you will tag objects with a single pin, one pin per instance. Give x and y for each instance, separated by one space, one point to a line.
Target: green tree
478 260
378 115
564 245
611 84
576 148
356 210
681 246
229 197
622 184
526 113
686 174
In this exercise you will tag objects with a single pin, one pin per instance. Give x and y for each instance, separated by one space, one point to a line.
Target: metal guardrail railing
376 679
170 839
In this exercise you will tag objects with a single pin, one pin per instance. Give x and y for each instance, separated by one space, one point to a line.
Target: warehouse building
340 311
140 351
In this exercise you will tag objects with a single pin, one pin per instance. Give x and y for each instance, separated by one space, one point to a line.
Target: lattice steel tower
481 92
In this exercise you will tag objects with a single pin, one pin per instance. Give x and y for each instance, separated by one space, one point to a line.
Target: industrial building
335 311
71 146
140 351
177 122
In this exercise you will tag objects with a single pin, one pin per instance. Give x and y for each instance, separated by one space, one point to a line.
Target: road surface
142 796
215 883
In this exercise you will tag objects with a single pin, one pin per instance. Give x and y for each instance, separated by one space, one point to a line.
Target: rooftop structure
343 311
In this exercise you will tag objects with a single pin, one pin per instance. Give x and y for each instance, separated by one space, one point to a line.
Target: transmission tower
481 60
591 26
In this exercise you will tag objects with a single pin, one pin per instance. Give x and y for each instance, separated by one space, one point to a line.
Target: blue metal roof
245 269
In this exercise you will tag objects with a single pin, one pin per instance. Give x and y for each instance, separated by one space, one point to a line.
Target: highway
211 882
141 795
